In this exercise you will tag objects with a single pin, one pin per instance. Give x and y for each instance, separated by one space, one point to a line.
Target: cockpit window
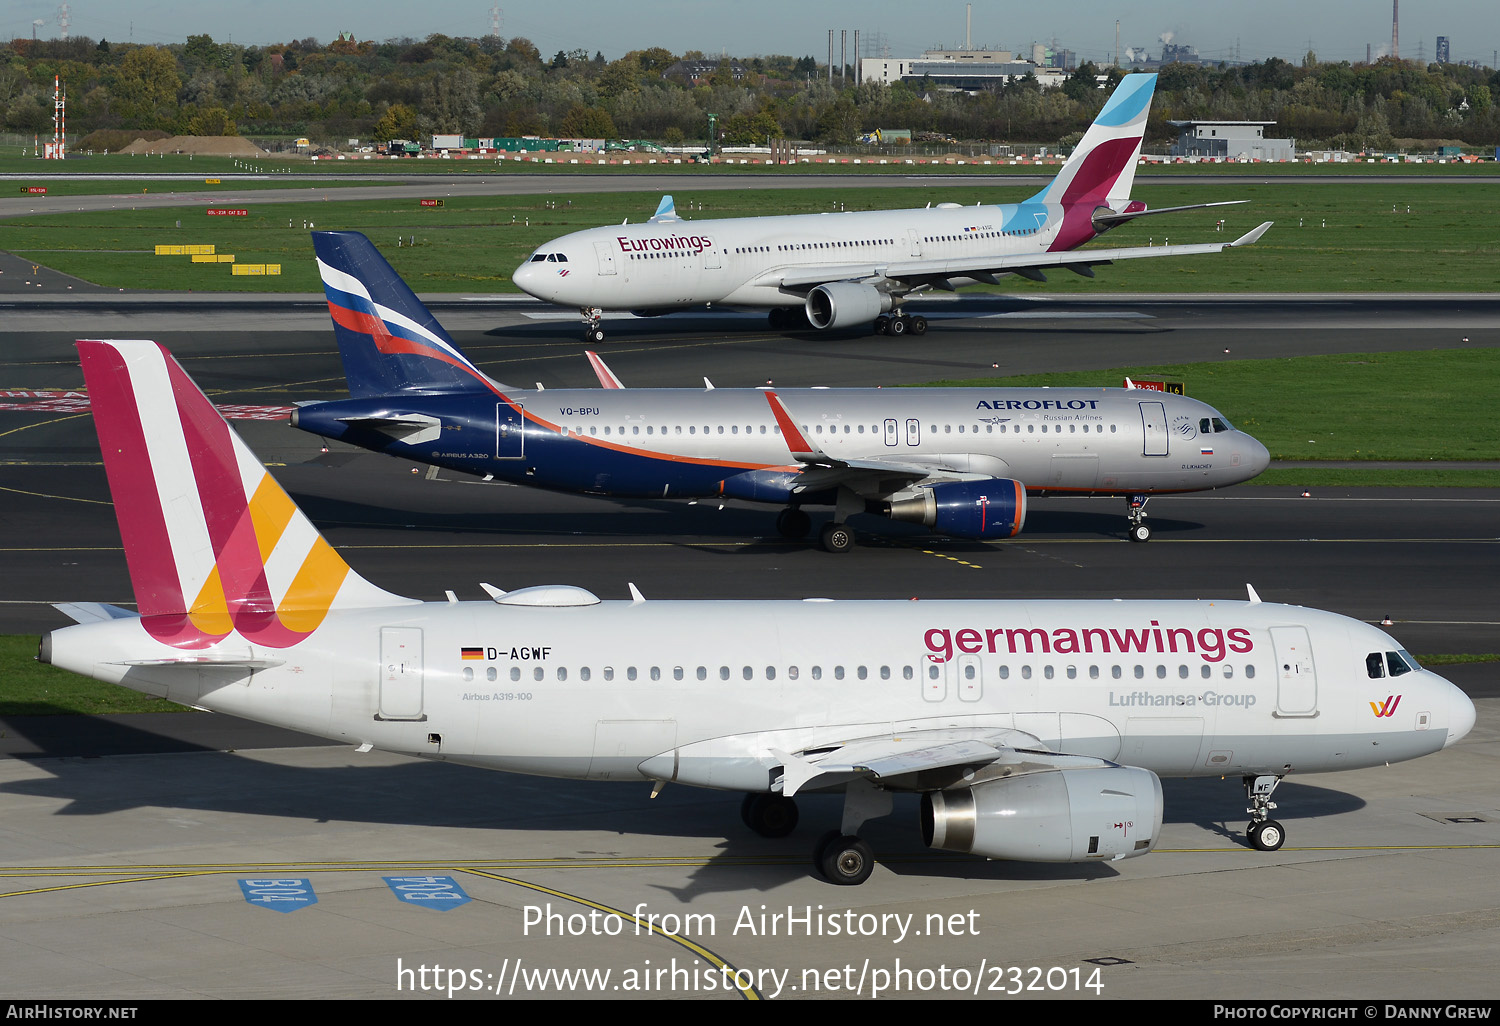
562 258
1400 662
539 257
1219 424
1374 666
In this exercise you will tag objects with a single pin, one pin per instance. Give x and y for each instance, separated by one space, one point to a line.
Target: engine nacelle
1066 815
967 509
845 304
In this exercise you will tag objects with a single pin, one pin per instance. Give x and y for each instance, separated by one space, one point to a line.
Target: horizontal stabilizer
92 612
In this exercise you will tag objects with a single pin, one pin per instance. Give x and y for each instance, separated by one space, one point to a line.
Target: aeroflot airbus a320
849 270
1032 730
959 460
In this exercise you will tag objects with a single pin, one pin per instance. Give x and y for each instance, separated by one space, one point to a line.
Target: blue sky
1336 29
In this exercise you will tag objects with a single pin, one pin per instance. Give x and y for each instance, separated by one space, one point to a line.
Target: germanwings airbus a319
1033 730
959 460
851 270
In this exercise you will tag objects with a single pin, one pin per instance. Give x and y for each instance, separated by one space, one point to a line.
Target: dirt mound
206 145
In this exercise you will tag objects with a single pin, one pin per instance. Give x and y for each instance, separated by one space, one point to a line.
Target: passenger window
562 673
468 673
584 673
491 674
630 673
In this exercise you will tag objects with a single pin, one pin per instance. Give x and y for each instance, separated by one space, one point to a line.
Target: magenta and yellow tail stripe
200 516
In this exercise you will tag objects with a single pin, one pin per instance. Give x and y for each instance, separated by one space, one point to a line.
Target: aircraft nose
1257 457
1460 715
528 279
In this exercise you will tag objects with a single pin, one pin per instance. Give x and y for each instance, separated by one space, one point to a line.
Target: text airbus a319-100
851 270
961 461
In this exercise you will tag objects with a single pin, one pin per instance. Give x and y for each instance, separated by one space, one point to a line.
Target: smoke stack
1396 29
968 26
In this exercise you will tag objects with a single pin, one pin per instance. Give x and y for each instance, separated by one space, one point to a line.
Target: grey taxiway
127 838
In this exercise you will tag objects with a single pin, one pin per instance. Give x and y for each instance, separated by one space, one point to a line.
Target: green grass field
1418 237
1348 406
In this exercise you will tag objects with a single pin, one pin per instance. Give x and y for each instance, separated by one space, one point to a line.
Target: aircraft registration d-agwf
851 270
958 460
1032 730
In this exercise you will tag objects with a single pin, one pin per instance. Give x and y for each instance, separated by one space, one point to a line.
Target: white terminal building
1230 140
965 70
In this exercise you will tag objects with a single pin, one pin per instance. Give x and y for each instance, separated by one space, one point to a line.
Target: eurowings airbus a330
959 460
851 270
1033 730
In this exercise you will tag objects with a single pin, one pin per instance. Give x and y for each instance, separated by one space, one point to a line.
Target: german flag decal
473 653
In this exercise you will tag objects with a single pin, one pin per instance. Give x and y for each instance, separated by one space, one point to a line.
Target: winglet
601 370
1251 237
666 210
801 449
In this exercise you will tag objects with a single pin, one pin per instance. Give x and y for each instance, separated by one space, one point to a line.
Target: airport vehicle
1032 730
959 460
855 269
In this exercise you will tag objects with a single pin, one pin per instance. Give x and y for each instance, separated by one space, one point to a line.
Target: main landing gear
900 324
1264 833
840 856
593 330
793 523
1136 514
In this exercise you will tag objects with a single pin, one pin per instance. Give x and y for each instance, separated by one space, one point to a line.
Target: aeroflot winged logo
213 543
1386 708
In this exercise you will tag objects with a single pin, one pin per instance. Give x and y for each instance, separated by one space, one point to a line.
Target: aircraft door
604 257
890 431
711 260
966 677
1296 677
400 674
1154 429
510 431
913 431
915 240
934 682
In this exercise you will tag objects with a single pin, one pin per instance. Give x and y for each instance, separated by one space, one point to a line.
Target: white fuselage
706 692
743 261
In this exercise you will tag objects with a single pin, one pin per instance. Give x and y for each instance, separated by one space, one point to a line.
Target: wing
922 760
874 478
936 273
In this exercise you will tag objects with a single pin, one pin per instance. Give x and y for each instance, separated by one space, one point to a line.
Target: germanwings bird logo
214 545
1386 708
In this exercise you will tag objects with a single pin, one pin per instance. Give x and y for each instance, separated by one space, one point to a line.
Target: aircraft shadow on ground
445 796
645 518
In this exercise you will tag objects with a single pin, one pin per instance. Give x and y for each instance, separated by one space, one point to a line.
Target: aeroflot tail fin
388 340
1102 168
214 545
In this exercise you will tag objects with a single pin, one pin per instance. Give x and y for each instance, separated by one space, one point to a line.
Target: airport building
1229 140
964 70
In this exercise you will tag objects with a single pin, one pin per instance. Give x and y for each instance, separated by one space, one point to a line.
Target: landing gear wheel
882 325
1140 533
836 537
1266 836
919 325
844 859
594 335
769 815
777 319
793 523
898 326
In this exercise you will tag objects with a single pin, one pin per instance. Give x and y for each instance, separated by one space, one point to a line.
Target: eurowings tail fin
214 545
1102 168
388 340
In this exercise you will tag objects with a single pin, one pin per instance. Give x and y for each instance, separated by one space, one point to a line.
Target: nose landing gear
1136 514
1264 833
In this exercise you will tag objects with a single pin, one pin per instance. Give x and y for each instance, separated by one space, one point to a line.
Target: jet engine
1063 815
845 304
993 508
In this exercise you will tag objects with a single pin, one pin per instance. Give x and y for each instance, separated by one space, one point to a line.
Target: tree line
405 88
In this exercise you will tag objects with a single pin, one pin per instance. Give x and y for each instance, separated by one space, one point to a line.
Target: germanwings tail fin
388 340
1102 168
214 545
